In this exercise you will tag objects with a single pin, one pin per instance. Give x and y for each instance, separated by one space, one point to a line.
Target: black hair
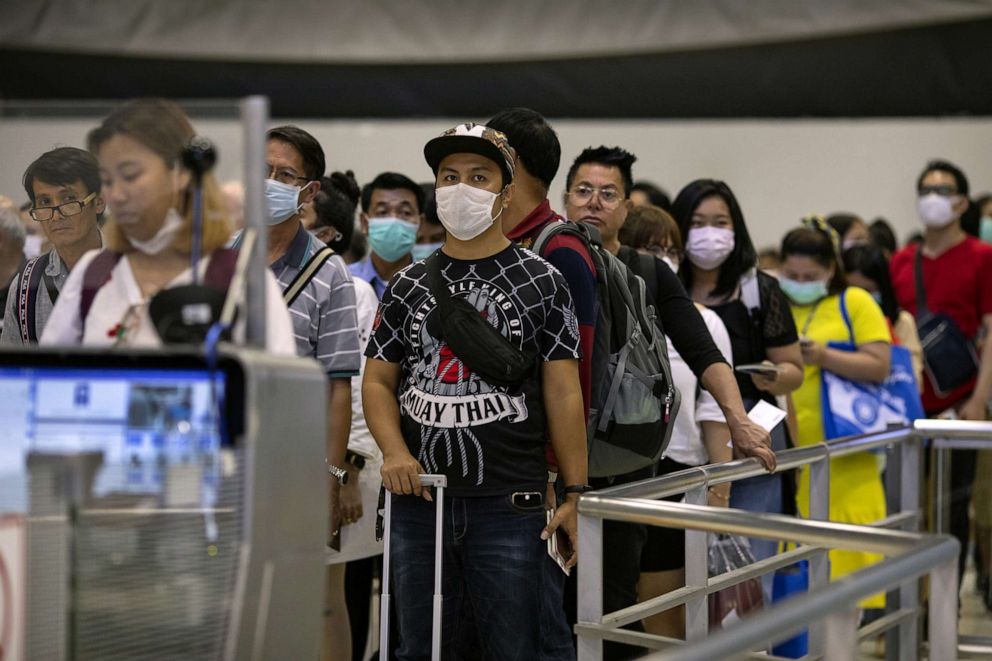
843 222
392 181
62 167
881 235
311 151
535 142
430 203
818 245
870 262
982 200
616 157
656 195
742 258
960 181
334 206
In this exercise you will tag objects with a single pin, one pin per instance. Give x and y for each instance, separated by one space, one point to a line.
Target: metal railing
910 554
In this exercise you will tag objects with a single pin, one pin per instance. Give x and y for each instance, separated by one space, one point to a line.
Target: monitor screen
146 423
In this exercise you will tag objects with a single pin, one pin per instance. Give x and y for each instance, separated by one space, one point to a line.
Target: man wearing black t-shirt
430 412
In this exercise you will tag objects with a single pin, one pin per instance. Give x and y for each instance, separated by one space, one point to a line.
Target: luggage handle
439 482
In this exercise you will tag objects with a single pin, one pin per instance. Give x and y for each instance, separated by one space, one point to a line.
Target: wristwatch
339 473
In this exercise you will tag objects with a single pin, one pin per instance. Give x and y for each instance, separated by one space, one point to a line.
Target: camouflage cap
472 139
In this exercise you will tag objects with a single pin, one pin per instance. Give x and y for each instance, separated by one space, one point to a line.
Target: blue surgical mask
391 238
803 293
425 250
985 229
282 201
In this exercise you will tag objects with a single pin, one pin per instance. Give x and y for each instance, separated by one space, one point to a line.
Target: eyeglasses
671 252
608 197
67 210
944 191
283 175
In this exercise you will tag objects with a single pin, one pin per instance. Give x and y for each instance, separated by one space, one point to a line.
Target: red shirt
958 283
569 255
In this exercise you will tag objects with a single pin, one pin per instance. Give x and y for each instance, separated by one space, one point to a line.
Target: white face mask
282 201
163 237
935 210
708 247
465 211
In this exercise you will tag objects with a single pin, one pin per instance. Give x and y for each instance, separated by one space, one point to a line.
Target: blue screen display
151 425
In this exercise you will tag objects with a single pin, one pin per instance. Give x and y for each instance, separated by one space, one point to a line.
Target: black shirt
750 338
487 439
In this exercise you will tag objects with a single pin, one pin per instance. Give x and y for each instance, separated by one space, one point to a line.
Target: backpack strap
645 266
922 311
220 269
27 297
97 274
846 316
750 294
306 274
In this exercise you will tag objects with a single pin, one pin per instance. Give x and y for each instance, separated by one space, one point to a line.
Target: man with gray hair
11 248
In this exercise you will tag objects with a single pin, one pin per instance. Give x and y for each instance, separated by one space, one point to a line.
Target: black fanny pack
473 339
948 355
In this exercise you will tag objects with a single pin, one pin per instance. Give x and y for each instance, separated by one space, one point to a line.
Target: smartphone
559 547
760 369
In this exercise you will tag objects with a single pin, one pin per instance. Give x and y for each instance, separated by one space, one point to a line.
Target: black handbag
949 357
473 339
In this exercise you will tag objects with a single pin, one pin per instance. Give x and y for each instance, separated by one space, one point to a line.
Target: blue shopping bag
788 582
855 407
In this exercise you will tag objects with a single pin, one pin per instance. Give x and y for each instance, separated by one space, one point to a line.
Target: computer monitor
142 421
171 505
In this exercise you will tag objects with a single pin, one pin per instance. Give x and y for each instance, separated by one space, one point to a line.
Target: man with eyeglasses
597 192
318 290
957 281
64 188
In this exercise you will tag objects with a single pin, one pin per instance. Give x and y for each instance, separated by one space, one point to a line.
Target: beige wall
780 170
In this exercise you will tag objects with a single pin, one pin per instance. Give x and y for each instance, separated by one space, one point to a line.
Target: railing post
590 606
943 611
904 472
696 571
841 629
819 564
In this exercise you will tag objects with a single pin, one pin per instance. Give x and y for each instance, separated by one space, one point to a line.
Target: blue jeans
494 563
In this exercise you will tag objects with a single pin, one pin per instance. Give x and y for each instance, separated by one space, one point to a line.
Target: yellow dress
856 494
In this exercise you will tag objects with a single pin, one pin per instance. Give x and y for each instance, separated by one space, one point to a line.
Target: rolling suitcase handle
439 482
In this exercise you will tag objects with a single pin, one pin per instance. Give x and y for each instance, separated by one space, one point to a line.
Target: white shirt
119 302
686 446
360 441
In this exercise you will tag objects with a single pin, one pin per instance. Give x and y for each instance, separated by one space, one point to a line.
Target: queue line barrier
828 609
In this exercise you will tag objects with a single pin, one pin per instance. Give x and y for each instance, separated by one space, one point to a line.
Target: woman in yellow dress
814 281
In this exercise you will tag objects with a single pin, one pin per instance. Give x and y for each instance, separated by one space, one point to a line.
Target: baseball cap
472 139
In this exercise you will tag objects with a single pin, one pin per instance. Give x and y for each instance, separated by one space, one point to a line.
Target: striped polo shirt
325 323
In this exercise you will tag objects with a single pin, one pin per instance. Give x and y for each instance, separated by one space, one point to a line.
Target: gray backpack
634 401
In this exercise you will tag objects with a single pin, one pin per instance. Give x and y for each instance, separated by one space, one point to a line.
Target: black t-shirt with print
486 439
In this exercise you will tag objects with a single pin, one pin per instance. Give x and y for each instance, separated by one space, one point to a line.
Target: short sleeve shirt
487 439
325 325
827 325
777 326
958 283
686 446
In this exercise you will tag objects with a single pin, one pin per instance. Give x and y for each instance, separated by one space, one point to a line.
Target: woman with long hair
720 273
149 235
